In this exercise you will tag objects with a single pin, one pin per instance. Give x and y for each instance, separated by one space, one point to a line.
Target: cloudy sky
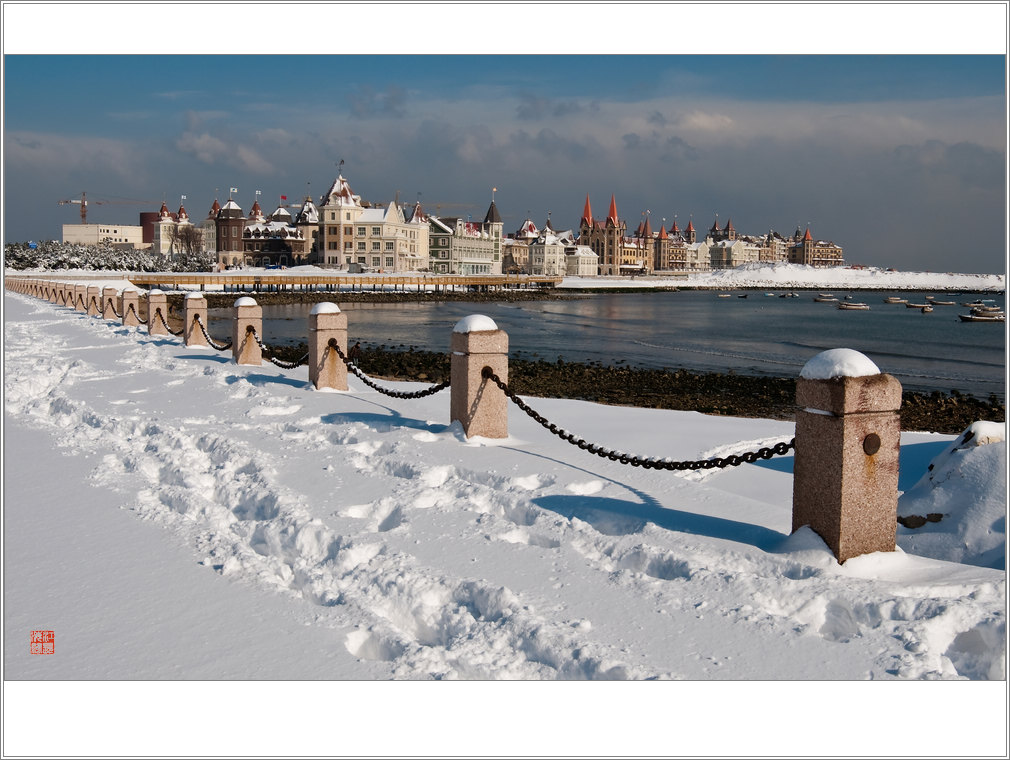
899 155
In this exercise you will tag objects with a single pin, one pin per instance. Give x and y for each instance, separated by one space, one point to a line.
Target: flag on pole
259 192
183 197
284 197
233 190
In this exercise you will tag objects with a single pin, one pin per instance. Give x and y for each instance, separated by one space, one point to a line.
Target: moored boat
826 299
852 306
895 299
991 317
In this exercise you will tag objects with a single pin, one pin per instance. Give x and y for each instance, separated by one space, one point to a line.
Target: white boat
826 299
895 299
915 305
725 295
926 309
852 306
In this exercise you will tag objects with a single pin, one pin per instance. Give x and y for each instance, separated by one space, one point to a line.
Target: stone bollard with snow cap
845 476
193 307
326 369
244 348
129 307
81 297
157 313
477 402
109 303
94 298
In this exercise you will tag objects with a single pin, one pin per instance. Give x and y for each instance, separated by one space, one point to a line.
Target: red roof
587 212
613 209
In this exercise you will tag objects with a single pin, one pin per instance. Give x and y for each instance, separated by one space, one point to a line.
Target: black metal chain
112 305
133 308
161 316
635 461
210 340
278 362
367 381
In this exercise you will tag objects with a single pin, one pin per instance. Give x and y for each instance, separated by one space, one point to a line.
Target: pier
280 281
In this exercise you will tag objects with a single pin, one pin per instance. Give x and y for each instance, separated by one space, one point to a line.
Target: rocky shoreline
714 393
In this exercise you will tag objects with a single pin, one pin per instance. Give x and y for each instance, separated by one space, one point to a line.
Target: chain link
367 381
210 340
278 362
159 315
732 460
112 304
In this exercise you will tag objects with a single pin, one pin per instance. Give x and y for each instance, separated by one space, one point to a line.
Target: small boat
895 299
725 295
982 317
987 310
743 296
979 302
770 295
915 305
826 299
852 306
941 303
926 309
826 295
790 295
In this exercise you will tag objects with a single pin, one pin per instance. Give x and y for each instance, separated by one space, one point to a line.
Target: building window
361 246
348 230
332 231
333 215
376 245
375 261
347 217
348 245
361 231
389 246
389 261
376 230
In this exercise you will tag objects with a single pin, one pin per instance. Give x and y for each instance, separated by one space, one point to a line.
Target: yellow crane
83 203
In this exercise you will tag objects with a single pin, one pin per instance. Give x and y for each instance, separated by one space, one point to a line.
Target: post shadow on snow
382 422
261 380
619 517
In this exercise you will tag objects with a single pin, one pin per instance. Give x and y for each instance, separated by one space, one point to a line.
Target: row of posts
845 472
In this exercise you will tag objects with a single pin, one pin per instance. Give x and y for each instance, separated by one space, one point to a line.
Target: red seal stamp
43 642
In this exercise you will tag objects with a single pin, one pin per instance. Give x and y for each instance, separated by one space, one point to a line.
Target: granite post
129 307
845 475
109 303
475 401
157 313
326 369
244 348
194 306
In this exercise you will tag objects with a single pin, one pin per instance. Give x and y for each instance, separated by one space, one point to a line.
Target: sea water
699 331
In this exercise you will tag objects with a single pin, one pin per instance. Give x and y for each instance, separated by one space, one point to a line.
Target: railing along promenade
845 471
280 282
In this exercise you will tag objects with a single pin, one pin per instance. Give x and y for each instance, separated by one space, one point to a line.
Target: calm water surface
697 330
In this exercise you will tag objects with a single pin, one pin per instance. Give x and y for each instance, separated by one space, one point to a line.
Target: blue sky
899 157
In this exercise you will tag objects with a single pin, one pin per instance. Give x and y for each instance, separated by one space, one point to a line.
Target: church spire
612 214
587 213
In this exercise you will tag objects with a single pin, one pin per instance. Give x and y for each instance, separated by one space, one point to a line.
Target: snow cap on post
838 362
325 307
475 323
245 301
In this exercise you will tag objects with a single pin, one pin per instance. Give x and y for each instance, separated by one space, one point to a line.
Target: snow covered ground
780 276
173 516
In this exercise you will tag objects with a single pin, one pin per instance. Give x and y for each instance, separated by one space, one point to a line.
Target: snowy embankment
386 545
779 276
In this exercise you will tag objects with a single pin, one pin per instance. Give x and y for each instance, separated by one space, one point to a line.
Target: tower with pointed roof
495 228
605 237
230 223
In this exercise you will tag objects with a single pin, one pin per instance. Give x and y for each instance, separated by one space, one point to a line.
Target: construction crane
83 202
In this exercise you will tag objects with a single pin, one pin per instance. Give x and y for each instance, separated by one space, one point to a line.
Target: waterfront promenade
281 281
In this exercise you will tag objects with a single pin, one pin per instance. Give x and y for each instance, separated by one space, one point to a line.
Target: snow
325 307
195 296
475 323
216 529
838 362
780 276
244 301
